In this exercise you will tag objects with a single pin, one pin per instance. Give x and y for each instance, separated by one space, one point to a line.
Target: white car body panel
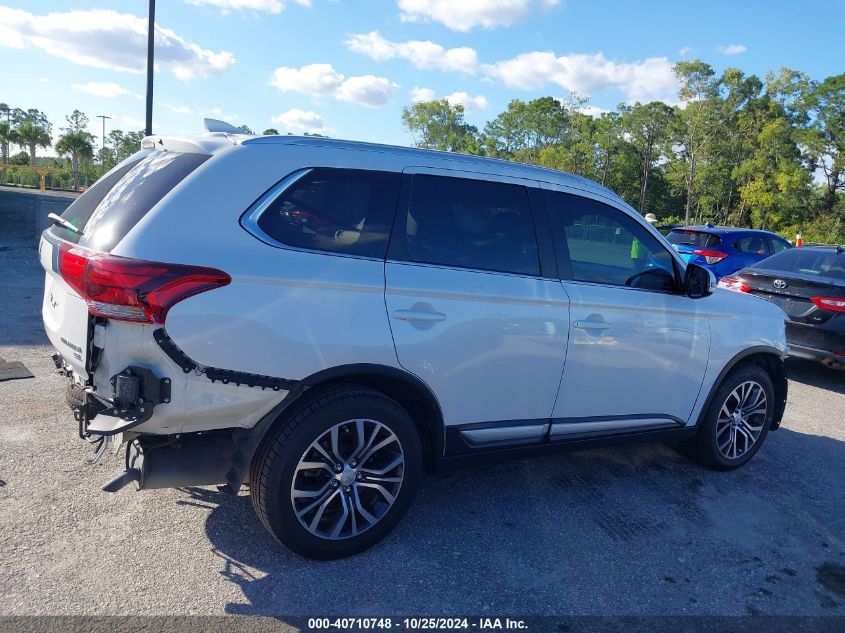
65 315
196 403
738 323
505 350
502 338
632 353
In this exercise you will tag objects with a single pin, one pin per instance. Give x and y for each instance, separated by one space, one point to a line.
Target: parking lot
633 530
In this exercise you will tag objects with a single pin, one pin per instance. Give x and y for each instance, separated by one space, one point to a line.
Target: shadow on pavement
816 375
637 530
22 292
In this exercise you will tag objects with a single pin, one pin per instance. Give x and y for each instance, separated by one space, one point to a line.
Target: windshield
699 239
808 262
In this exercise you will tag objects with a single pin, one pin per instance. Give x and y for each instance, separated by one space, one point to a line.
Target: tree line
30 130
735 150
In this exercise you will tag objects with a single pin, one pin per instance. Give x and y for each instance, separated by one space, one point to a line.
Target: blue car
725 250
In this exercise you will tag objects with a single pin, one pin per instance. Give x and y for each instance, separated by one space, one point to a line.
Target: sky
346 68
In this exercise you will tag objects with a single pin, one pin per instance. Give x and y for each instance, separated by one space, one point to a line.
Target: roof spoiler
214 125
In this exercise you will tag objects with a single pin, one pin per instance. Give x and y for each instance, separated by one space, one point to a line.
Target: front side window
779 245
336 210
471 224
606 246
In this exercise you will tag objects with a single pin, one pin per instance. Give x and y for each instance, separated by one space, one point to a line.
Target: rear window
79 212
808 262
118 201
699 239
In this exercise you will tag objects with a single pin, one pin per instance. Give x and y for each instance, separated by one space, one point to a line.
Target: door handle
418 315
591 325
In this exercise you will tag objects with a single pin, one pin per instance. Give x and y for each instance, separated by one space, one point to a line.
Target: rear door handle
418 315
591 325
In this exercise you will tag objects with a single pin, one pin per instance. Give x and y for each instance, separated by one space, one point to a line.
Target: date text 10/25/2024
417 624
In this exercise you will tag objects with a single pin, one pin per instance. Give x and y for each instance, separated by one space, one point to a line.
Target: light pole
103 138
150 54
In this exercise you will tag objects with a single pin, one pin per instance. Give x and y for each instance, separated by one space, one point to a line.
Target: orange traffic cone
799 241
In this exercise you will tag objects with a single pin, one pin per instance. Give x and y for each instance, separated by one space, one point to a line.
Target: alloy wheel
741 419
347 479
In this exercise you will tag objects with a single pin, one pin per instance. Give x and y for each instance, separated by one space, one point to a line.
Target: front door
638 349
470 312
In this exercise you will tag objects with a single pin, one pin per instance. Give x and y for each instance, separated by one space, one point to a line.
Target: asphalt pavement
617 531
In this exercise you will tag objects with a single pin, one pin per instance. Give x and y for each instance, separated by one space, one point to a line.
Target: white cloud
267 6
421 94
259 6
732 49
367 90
43 80
217 113
422 54
110 40
322 79
686 50
586 74
470 103
133 123
178 109
102 89
296 120
589 110
315 79
464 15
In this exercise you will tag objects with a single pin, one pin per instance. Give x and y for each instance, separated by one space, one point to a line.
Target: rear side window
754 244
808 262
699 239
129 197
471 224
335 210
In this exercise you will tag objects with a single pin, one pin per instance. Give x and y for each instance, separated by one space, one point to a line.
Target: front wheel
737 420
338 474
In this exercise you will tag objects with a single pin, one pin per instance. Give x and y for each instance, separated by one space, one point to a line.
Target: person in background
637 250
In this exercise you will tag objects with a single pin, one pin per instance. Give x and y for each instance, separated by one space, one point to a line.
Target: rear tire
337 474
737 421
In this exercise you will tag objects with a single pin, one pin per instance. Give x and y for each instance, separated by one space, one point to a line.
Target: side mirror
698 281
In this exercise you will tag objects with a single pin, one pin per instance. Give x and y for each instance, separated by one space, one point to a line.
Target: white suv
323 319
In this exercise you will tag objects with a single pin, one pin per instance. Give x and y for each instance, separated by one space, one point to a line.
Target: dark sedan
809 285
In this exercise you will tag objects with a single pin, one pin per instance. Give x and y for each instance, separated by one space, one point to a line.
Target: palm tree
8 135
33 135
80 145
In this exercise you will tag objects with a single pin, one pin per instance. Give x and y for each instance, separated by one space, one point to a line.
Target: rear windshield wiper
60 221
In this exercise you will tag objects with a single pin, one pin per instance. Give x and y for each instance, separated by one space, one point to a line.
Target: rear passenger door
472 311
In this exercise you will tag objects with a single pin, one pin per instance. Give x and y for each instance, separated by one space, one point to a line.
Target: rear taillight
837 304
732 283
711 257
133 289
